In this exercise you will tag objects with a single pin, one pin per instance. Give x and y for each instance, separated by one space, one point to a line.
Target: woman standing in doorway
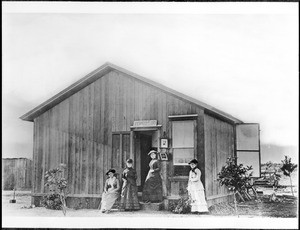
196 189
152 191
129 196
111 191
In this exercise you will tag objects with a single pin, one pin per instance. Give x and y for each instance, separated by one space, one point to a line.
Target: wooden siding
219 145
16 173
78 131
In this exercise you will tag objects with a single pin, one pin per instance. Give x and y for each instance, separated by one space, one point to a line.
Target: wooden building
16 173
113 114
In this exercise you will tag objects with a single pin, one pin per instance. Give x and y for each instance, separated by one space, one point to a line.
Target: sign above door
145 123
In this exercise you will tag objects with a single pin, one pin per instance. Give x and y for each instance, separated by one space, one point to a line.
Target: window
248 147
183 142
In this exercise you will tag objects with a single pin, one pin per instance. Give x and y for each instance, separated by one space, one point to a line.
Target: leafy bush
52 201
234 176
182 206
57 185
287 166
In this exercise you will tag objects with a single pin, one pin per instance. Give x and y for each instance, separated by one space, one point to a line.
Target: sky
239 58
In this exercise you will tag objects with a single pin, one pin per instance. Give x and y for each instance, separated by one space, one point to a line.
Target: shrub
182 206
52 201
235 177
57 185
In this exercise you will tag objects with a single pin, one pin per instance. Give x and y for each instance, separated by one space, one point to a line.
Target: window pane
182 156
183 134
248 159
247 136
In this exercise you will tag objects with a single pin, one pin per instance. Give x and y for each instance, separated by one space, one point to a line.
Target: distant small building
16 173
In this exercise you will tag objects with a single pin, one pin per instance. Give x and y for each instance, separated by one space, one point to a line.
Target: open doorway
144 142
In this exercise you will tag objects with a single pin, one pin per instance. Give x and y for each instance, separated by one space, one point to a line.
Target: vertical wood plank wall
219 140
16 172
78 131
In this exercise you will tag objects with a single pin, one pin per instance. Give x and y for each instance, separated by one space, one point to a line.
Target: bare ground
285 207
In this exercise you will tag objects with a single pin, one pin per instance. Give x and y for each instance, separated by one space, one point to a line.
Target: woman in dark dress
152 191
129 197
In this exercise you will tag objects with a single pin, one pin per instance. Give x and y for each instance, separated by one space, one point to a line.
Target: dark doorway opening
145 145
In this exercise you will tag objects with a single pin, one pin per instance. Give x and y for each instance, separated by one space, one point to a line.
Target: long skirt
108 200
153 189
129 198
198 203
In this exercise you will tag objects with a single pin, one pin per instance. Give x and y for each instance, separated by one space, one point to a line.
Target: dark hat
193 161
152 151
130 161
111 170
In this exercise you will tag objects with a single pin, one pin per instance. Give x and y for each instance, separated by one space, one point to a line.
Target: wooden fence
16 173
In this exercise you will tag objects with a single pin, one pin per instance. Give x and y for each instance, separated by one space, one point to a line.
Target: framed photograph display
163 156
164 143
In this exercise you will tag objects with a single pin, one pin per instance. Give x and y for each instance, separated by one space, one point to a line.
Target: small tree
287 168
57 185
235 177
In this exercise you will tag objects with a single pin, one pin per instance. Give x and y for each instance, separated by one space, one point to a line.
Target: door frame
146 128
134 130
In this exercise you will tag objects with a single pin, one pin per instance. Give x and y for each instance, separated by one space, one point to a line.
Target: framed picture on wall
164 143
163 156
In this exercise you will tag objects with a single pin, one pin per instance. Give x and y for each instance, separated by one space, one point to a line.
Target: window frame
123 157
182 118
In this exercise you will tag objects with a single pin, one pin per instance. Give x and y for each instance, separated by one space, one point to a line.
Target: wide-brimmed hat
194 161
130 161
152 151
111 170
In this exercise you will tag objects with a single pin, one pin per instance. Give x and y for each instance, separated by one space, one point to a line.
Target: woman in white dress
196 189
111 191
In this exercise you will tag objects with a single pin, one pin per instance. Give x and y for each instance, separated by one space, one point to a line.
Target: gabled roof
101 71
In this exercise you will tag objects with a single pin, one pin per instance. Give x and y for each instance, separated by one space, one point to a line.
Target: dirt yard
283 207
259 215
